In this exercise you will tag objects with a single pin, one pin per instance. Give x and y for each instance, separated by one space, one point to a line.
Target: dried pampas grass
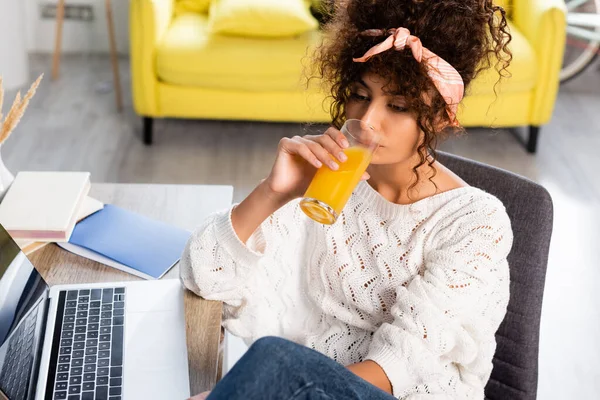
16 110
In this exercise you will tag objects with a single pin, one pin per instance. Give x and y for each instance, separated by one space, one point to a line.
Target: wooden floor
72 125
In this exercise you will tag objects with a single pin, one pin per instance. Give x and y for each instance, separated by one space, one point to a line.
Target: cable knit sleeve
447 316
215 261
216 265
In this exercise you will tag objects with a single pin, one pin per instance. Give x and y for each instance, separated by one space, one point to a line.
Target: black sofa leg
532 141
148 122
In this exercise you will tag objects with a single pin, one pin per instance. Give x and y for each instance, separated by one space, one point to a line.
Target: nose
373 116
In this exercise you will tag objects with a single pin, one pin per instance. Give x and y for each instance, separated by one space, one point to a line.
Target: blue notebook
140 243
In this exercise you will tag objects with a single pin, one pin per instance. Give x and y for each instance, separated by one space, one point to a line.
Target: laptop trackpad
156 364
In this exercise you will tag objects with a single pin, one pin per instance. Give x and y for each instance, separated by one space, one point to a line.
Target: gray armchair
529 207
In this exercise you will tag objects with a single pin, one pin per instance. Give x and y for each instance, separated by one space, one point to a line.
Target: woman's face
372 103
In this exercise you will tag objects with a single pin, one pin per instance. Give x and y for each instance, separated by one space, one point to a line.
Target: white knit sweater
420 289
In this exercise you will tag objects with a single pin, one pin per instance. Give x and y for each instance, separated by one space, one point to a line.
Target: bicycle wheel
581 49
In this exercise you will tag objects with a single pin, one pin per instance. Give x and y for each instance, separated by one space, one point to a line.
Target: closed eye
358 97
398 108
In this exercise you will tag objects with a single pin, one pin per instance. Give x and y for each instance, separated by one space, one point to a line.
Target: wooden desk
185 206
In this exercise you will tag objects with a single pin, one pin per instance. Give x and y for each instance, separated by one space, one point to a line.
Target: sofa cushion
198 6
523 68
261 18
189 55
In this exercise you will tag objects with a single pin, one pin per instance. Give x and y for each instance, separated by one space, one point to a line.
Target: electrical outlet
75 12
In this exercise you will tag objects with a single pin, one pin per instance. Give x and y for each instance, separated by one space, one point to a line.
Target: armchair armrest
543 22
148 22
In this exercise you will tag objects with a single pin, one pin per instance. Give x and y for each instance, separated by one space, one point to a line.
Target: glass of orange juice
330 190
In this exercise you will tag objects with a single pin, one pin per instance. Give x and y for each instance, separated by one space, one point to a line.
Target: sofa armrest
543 22
148 22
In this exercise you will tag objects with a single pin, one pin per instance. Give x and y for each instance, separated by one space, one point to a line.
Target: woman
408 288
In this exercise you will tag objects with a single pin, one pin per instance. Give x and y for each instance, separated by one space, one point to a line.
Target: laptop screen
21 289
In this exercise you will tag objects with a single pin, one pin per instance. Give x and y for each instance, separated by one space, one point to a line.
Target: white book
43 206
89 207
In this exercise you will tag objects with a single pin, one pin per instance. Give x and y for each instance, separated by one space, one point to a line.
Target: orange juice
330 190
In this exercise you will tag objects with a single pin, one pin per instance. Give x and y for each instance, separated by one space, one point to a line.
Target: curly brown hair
471 35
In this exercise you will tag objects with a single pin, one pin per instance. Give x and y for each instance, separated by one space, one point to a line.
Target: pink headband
445 78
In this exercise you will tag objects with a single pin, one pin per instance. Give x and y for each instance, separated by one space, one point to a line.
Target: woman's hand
299 158
297 162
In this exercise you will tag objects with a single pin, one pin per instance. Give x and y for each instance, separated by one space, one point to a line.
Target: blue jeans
275 368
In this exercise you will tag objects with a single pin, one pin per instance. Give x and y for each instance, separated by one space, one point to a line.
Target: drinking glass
330 190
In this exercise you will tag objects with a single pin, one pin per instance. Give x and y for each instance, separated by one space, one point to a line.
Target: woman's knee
269 355
272 345
271 350
281 353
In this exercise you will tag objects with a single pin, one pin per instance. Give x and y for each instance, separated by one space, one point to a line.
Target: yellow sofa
179 70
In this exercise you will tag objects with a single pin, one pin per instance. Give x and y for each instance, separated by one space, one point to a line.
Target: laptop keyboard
90 358
16 369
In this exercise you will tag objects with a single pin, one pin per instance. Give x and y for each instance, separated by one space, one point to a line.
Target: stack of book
43 207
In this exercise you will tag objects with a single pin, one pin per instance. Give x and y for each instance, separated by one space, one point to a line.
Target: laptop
106 341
